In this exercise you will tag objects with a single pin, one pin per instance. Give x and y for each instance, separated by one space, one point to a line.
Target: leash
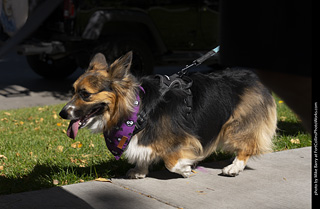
200 60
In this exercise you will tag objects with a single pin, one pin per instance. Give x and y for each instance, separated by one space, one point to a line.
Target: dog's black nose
64 114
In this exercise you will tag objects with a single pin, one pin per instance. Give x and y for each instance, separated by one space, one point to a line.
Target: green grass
35 152
290 134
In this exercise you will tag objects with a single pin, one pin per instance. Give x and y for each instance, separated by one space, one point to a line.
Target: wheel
52 69
142 60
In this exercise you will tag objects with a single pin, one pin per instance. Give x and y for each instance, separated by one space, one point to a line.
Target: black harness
178 80
175 81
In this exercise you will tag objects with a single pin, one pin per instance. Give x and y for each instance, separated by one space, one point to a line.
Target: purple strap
118 139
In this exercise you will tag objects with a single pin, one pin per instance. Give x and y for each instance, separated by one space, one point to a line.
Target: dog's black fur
218 91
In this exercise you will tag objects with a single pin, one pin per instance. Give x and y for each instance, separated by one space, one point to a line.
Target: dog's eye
84 95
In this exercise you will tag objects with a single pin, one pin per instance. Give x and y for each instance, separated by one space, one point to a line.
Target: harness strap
141 118
178 80
118 139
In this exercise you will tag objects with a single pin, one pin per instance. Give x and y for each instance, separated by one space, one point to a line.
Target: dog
231 110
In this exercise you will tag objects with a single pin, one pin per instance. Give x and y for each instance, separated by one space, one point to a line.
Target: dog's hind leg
238 164
246 144
250 129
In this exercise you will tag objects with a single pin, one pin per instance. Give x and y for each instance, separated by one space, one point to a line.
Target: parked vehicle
157 31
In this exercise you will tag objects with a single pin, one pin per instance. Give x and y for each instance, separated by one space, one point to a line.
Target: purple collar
118 139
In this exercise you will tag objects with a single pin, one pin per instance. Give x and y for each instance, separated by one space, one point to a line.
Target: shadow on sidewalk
49 198
42 175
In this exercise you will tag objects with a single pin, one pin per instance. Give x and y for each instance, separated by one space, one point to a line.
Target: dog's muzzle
67 112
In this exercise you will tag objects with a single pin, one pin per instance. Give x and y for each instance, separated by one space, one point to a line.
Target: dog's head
103 96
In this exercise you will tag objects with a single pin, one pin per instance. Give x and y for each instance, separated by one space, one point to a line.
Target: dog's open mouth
76 124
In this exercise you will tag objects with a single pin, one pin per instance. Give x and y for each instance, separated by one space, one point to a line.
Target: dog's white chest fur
136 153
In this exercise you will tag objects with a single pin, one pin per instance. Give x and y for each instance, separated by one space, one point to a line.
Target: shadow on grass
42 176
290 128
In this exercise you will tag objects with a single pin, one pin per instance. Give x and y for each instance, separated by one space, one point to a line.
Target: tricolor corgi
181 123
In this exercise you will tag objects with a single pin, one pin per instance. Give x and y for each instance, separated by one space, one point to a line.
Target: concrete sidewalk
276 180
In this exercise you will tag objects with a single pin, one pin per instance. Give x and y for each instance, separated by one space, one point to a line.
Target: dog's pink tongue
73 128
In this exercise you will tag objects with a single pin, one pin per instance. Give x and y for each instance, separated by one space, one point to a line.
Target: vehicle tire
52 69
142 60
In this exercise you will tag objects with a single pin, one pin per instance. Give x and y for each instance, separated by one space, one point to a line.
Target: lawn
35 152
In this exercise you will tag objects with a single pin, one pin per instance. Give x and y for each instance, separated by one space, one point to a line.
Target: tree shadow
50 198
42 175
88 195
290 128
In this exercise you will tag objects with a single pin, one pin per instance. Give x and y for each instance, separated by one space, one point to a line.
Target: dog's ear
121 67
98 62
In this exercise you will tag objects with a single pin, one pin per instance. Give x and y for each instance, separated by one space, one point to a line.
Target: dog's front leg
139 155
138 172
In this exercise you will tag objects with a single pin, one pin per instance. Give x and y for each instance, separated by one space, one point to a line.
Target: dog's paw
187 174
136 174
234 169
182 167
184 171
231 170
